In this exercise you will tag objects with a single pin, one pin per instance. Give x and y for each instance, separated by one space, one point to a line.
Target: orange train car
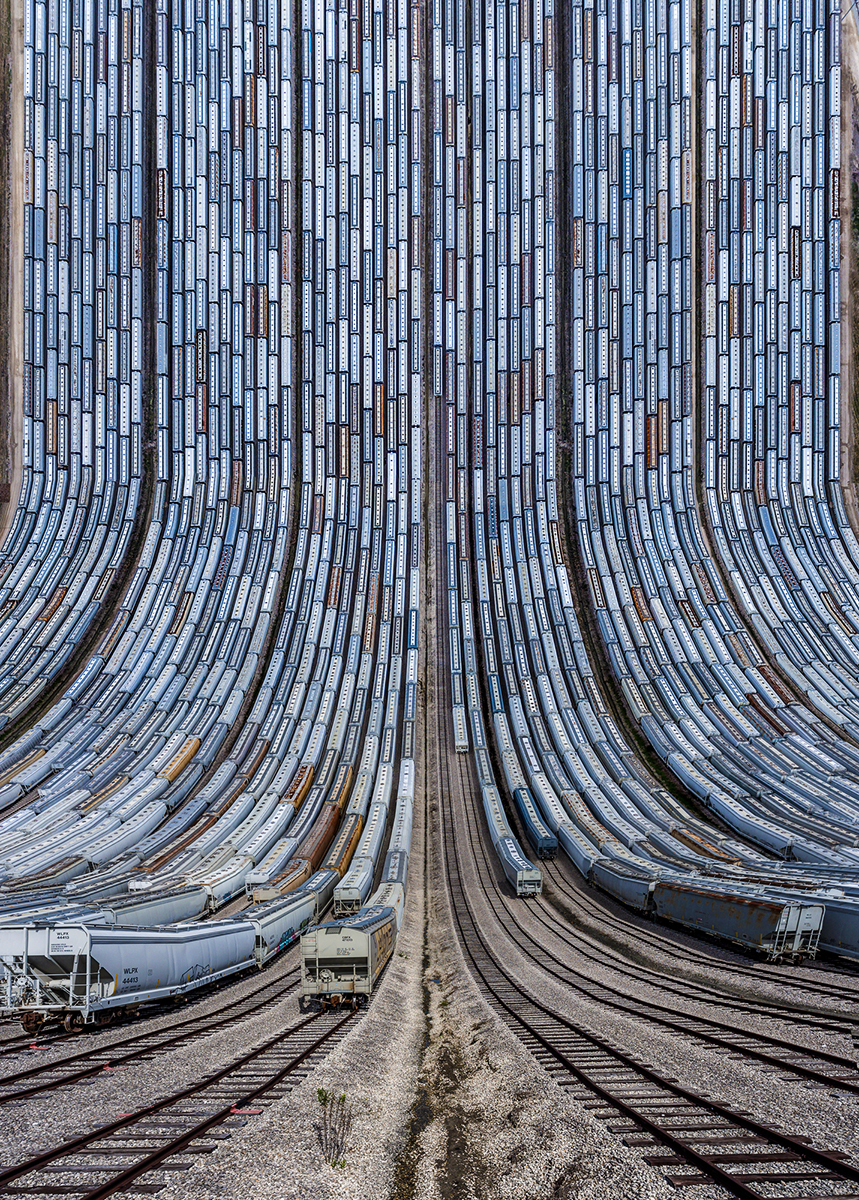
297 872
345 844
639 599
180 761
297 791
52 605
321 835
342 786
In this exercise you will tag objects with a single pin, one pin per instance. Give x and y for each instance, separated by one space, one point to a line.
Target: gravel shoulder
277 1155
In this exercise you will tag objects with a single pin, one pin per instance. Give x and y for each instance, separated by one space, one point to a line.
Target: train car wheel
73 1023
32 1022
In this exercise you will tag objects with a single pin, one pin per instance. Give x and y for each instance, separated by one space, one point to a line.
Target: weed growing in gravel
335 1126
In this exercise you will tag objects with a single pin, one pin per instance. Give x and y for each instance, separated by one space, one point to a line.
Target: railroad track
593 907
91 1061
680 985
764 1049
11 1046
711 1141
149 1139
707 1141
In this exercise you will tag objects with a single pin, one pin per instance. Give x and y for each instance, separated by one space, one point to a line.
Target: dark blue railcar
542 839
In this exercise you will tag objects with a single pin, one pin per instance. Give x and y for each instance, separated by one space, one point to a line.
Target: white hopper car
87 974
341 961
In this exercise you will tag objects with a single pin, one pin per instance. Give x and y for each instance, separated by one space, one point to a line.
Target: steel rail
113 1128
201 1024
472 937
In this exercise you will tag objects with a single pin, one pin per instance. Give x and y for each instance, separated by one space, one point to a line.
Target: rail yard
429 617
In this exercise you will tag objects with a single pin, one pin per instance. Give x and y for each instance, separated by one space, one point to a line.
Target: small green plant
334 1128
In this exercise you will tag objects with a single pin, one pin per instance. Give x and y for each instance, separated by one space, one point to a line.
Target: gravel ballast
447 1103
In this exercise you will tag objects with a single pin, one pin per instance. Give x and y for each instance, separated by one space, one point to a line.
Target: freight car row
271 200
628 212
322 671
703 695
772 421
82 350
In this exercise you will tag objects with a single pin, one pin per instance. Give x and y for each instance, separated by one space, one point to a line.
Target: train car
225 881
164 907
180 761
274 862
340 854
342 960
522 875
624 882
460 727
297 791
541 838
390 894
315 845
322 883
401 834
778 929
354 888
295 875
359 801
395 868
342 786
80 974
783 930
279 923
